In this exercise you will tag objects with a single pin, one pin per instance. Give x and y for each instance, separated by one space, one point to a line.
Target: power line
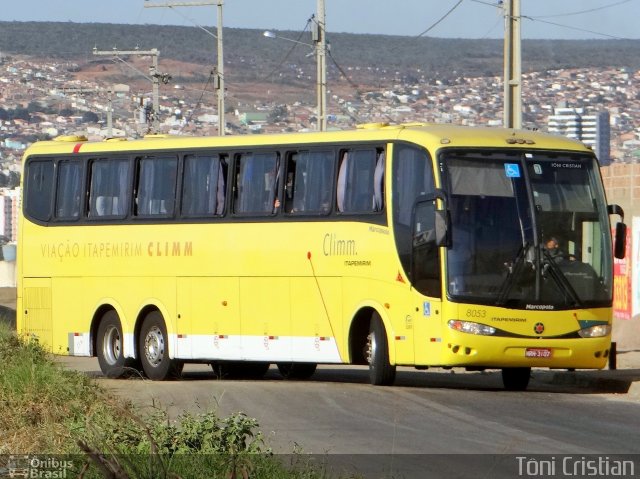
486 35
344 74
142 74
441 18
199 102
569 27
196 24
603 7
289 52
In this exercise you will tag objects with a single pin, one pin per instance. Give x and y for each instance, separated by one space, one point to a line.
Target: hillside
371 59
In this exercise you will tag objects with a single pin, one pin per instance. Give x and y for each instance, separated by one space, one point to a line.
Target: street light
270 34
320 50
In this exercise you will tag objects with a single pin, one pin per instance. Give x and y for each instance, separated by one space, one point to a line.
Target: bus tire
153 346
297 370
516 379
109 348
381 372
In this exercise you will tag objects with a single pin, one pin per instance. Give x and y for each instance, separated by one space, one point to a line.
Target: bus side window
412 177
256 187
309 182
204 185
109 187
39 189
155 190
68 190
356 181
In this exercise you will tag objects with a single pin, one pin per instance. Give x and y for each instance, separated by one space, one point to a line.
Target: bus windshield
528 230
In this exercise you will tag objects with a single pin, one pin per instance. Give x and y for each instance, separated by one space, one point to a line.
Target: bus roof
432 136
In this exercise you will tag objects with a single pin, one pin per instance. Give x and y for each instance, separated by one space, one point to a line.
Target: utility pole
320 39
109 113
512 65
219 79
156 76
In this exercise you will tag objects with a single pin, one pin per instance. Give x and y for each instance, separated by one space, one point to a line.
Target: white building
9 207
593 130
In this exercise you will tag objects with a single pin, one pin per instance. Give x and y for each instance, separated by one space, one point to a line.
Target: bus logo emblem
538 328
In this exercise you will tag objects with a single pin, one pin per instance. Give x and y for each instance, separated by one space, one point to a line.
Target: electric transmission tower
155 76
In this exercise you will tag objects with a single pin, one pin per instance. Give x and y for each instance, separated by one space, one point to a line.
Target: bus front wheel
516 379
110 353
153 348
381 372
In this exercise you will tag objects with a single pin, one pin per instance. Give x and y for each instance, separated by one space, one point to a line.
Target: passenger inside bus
552 246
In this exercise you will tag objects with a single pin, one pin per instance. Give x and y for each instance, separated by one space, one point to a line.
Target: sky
552 19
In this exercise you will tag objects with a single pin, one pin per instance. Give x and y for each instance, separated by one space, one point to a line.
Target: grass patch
42 401
47 409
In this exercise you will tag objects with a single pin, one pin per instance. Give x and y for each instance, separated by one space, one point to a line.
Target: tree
90 117
19 114
279 113
34 106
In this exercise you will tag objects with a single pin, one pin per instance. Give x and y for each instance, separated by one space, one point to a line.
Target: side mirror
620 241
425 217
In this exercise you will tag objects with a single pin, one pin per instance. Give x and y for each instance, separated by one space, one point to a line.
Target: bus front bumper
497 352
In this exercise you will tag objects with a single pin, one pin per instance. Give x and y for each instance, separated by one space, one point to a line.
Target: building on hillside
593 130
9 207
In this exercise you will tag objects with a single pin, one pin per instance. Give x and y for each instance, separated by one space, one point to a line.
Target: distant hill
249 56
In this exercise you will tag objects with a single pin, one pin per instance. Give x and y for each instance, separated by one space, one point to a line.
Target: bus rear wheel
381 372
516 379
109 348
297 370
153 348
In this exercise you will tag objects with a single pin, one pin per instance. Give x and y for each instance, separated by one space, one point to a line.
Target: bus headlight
597 331
471 327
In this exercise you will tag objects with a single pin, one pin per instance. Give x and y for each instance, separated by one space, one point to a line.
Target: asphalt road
338 412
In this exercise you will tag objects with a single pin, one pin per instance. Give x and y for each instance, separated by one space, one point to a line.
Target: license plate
538 353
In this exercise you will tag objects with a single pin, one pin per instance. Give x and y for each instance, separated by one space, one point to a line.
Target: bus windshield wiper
558 276
514 271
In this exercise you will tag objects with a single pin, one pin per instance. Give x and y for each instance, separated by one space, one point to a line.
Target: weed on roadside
47 409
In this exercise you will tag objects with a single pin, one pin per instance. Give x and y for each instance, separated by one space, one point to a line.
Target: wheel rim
111 346
154 346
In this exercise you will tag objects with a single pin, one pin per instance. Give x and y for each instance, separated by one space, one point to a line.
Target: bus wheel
516 379
297 370
154 350
381 372
110 342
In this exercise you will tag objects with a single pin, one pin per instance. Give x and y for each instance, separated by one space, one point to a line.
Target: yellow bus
390 245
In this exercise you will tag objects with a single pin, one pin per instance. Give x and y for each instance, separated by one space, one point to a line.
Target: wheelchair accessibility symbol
512 170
